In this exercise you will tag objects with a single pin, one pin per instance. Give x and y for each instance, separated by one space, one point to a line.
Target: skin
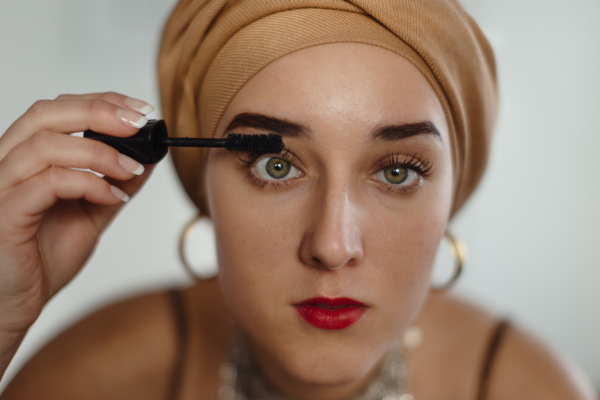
52 216
336 230
346 233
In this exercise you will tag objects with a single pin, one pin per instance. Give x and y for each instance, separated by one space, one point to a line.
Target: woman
386 117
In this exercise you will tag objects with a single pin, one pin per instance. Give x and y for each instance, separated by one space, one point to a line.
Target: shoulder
460 333
526 367
124 350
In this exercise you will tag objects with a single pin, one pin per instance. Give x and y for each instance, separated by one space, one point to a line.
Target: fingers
76 115
28 201
71 113
103 215
131 186
116 98
46 149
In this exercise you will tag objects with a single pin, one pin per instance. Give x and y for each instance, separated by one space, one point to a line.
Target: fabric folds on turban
211 48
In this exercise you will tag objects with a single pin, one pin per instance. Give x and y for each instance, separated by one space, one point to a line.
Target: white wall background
532 228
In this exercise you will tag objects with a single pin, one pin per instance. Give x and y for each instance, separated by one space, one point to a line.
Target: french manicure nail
119 194
131 118
130 165
138 105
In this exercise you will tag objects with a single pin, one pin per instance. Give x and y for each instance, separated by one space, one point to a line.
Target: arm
123 351
51 213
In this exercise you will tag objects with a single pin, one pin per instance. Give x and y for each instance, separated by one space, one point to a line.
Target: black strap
488 361
181 327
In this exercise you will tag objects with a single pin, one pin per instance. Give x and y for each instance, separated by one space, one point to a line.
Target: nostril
332 249
335 268
333 258
328 266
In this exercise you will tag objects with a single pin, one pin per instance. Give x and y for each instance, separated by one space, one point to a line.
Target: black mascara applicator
151 143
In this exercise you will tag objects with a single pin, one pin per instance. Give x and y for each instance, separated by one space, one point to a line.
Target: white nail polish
130 165
131 118
119 194
138 105
147 109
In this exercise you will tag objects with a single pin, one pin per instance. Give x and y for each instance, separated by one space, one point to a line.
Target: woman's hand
51 215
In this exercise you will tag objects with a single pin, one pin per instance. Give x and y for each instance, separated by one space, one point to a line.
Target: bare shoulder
460 334
526 367
122 351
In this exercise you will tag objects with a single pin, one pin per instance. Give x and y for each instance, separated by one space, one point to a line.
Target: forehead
349 86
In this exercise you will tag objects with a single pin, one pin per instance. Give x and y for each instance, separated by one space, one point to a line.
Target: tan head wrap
211 48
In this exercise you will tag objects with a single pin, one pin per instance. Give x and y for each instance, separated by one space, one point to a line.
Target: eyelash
286 155
414 162
424 167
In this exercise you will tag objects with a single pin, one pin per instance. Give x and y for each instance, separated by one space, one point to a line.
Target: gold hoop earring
458 254
187 232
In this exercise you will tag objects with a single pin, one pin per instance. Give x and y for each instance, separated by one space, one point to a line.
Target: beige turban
211 48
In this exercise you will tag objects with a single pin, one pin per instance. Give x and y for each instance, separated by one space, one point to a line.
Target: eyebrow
291 129
271 124
397 132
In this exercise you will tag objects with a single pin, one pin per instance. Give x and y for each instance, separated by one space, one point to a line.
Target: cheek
401 239
401 254
257 242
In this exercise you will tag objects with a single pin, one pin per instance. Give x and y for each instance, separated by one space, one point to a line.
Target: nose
333 239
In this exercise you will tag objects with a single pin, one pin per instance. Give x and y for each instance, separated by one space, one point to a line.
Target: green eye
275 168
397 175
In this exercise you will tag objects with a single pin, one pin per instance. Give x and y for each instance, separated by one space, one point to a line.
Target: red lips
325 313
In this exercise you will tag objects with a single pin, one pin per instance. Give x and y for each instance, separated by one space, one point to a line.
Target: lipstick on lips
325 313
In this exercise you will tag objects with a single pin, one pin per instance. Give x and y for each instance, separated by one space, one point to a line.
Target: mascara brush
151 144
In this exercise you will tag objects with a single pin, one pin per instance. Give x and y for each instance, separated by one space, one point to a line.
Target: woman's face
354 209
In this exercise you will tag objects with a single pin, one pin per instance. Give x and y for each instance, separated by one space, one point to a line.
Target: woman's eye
274 168
397 175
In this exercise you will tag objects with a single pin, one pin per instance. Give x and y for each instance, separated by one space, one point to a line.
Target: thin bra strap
488 361
181 326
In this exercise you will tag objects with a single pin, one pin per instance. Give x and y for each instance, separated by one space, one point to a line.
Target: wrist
9 344
17 316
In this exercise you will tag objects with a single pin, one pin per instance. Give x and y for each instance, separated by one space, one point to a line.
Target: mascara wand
151 144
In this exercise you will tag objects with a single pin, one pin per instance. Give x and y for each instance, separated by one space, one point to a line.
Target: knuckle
88 179
64 96
37 108
92 182
98 150
39 141
95 107
51 177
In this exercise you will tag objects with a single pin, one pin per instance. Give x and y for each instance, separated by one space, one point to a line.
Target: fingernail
119 194
131 118
138 105
130 165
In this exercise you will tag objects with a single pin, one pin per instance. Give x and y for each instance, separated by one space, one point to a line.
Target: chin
330 371
323 359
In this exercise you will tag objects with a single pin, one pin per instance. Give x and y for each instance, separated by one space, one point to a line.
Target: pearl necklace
240 379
